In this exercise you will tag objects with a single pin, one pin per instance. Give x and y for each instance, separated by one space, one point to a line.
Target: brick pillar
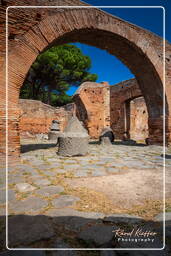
106 91
156 131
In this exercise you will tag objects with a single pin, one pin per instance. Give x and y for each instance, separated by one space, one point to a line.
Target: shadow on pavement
32 147
40 231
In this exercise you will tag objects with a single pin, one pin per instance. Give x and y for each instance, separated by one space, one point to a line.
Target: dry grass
150 208
91 200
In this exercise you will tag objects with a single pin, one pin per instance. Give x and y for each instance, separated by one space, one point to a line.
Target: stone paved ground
66 202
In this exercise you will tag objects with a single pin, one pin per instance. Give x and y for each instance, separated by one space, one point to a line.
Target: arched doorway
139 49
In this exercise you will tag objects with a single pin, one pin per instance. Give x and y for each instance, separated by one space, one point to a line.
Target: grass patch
150 208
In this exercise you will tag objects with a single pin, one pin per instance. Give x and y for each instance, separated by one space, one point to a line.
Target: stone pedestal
74 140
73 144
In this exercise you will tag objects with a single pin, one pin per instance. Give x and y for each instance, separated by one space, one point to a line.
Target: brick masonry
120 107
97 105
36 117
32 31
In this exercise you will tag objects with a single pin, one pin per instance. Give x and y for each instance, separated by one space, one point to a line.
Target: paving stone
81 173
60 171
115 165
71 212
64 201
31 204
159 217
42 182
2 196
122 218
24 229
2 211
71 167
15 179
98 172
25 168
11 195
69 161
37 162
90 167
24 187
113 170
36 177
50 190
44 167
98 235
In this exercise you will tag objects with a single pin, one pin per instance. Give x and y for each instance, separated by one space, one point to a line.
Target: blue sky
108 67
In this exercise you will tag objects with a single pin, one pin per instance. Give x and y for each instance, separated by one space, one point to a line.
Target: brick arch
139 49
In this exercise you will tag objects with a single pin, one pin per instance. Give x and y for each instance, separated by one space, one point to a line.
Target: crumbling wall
120 96
93 106
99 105
138 119
36 117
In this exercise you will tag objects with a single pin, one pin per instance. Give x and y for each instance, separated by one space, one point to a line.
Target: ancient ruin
118 106
78 193
74 140
142 53
97 105
106 136
54 130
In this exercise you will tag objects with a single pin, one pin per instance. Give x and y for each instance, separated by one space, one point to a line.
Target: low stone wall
36 117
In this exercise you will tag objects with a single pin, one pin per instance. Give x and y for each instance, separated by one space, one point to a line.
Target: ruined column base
73 145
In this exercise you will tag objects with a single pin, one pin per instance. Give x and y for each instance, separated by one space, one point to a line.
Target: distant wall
36 117
93 106
120 96
97 105
138 119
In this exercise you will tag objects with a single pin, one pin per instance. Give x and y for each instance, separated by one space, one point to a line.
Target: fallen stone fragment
106 136
24 187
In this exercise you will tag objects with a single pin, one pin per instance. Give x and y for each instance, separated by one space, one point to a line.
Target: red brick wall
36 117
138 119
139 49
119 95
93 106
